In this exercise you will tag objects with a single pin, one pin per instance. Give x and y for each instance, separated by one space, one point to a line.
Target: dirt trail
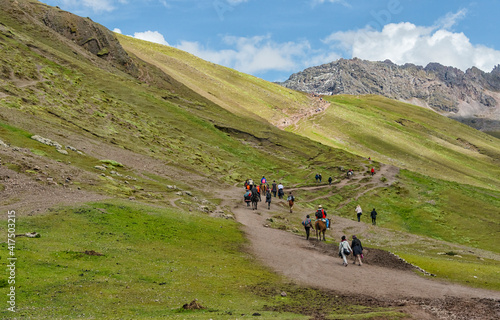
297 258
302 260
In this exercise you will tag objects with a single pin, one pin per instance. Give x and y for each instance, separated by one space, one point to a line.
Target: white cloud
406 42
448 21
342 2
151 36
117 30
95 5
257 54
235 2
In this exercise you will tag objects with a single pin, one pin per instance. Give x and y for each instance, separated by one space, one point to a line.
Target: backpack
248 195
307 223
320 214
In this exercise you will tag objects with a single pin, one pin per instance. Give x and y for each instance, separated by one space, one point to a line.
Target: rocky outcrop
87 34
472 97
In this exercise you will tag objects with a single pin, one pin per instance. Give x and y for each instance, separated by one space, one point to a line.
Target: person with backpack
321 215
281 192
330 180
374 216
307 225
359 212
357 250
248 197
344 250
291 201
263 180
373 171
274 188
268 199
320 177
258 191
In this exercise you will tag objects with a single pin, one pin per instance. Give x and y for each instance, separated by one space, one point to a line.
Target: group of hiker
373 214
355 248
277 189
263 187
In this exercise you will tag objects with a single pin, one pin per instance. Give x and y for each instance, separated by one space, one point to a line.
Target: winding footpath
298 259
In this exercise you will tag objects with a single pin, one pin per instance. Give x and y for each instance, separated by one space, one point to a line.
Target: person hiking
373 171
258 191
263 180
274 188
291 201
316 177
357 250
281 192
307 225
374 216
268 199
248 197
320 177
330 180
321 215
359 212
344 250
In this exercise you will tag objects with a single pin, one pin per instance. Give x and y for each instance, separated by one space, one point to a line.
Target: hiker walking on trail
373 171
291 200
281 192
344 250
359 212
307 225
274 188
330 180
374 216
357 250
248 197
320 177
268 199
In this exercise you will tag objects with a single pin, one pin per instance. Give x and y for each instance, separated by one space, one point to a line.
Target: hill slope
406 136
166 157
472 97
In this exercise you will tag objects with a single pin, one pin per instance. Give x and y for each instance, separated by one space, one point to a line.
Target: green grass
407 136
435 208
463 269
151 261
237 92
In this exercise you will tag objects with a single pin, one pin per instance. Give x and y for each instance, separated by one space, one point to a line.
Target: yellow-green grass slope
408 137
237 92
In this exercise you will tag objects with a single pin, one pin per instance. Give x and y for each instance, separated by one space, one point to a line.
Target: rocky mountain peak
465 96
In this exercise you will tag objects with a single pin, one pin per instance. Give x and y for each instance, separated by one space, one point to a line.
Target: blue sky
272 39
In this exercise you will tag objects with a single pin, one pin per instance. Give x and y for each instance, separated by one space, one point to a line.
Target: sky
272 39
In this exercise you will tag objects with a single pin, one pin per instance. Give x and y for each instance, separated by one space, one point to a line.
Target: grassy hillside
235 91
406 136
175 132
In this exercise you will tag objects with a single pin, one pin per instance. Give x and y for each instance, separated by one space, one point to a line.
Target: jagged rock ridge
472 97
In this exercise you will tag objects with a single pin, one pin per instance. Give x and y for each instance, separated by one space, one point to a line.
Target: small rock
102 168
3 144
283 294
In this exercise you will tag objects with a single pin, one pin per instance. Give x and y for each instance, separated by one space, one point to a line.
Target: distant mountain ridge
472 97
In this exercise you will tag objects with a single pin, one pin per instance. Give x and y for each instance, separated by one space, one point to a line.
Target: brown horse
320 227
263 188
